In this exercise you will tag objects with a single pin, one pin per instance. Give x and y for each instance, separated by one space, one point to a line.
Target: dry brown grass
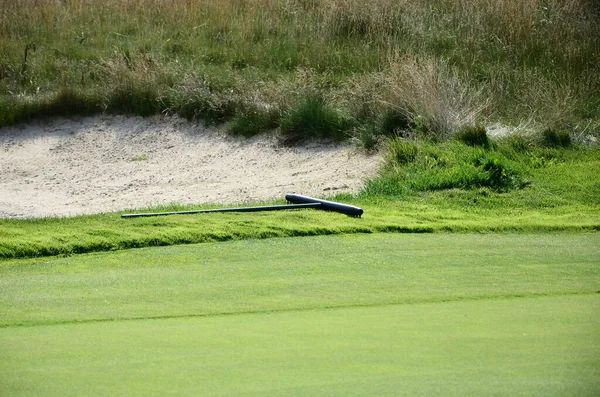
431 93
449 63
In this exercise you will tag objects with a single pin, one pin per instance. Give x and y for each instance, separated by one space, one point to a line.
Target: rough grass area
383 314
510 164
442 65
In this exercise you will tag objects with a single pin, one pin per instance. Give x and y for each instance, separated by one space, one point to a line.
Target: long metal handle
241 209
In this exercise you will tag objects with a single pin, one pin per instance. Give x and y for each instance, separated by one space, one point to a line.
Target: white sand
67 167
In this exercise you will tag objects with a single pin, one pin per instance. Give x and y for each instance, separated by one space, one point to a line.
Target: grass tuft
474 136
414 166
140 99
251 122
556 138
396 122
314 119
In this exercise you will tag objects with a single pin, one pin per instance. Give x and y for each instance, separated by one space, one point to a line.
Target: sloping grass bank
443 188
421 214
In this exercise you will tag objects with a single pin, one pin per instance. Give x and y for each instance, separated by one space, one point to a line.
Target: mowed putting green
382 314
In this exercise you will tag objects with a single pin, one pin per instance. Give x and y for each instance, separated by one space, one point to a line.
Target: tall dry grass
449 63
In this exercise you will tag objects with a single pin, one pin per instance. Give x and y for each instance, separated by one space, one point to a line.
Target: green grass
383 314
465 211
313 118
527 347
253 121
360 313
509 165
292 274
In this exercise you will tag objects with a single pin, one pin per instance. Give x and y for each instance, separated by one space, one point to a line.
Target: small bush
474 136
395 121
366 136
401 152
313 118
496 174
137 98
554 138
253 122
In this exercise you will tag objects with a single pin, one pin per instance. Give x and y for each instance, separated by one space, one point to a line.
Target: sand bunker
67 167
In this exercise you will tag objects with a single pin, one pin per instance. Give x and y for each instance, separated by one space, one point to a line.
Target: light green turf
382 314
546 346
298 273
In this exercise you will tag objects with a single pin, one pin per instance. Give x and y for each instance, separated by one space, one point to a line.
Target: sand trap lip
68 167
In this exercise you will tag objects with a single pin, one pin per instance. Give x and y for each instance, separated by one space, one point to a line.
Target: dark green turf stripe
303 309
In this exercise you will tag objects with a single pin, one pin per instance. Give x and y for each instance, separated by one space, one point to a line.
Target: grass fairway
383 314
546 346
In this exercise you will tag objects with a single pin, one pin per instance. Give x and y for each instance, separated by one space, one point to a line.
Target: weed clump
253 121
313 118
556 138
396 122
474 136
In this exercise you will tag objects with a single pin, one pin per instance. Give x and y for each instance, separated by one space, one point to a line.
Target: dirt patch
103 164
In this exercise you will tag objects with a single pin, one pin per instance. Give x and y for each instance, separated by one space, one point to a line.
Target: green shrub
394 121
473 136
253 121
313 118
401 152
556 138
